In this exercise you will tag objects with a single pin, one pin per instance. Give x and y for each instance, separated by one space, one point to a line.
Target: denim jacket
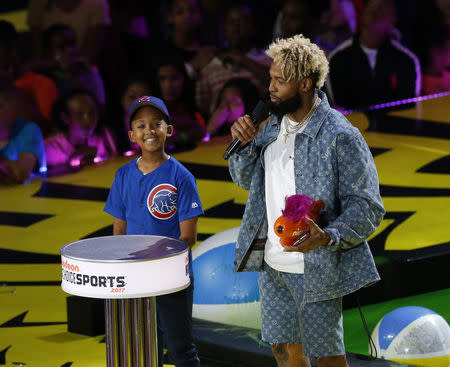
332 162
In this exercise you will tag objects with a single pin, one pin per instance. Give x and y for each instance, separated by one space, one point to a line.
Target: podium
127 272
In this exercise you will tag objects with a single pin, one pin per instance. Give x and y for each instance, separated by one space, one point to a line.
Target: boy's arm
188 230
119 227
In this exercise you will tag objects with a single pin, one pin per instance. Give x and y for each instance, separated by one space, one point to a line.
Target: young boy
21 143
155 195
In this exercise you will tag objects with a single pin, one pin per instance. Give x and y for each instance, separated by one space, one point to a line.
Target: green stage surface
356 340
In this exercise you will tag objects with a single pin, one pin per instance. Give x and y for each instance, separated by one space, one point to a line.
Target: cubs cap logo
162 201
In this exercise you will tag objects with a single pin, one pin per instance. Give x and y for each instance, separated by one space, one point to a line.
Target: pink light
98 159
207 137
129 153
75 162
398 103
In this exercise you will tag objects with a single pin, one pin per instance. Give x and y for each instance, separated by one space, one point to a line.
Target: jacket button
251 228
235 262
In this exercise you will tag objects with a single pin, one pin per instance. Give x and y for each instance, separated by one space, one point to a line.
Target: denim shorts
286 319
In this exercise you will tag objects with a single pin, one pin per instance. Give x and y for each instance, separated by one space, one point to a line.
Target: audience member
296 17
80 138
337 24
238 97
372 67
430 29
39 92
436 66
184 18
130 29
135 87
212 27
177 92
239 60
21 143
87 17
327 27
63 63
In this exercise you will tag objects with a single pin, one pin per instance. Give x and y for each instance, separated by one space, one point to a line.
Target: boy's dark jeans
174 312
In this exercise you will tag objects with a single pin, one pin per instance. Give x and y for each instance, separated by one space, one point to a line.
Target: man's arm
188 230
119 227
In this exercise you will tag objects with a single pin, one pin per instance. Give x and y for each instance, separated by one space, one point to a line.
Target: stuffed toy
292 226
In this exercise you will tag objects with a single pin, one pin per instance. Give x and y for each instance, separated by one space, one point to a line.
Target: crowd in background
67 84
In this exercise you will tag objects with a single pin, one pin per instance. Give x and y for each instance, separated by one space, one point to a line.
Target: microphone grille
260 112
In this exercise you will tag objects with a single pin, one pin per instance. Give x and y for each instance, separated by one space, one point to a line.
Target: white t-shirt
280 182
371 55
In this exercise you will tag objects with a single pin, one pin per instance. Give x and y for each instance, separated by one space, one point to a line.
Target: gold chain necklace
294 128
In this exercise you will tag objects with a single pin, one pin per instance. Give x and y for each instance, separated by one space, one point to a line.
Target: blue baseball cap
147 101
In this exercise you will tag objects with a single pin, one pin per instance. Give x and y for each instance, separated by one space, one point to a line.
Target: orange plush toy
291 226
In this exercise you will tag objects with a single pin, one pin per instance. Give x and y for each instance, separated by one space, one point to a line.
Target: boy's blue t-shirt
155 203
26 137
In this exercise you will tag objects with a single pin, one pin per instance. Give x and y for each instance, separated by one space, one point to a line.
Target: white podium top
130 266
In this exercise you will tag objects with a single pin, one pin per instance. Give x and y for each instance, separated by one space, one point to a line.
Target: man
305 148
372 67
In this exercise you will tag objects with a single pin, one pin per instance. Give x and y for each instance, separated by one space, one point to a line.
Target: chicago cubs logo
162 201
144 99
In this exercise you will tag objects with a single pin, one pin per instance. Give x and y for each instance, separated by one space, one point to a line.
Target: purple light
98 159
398 103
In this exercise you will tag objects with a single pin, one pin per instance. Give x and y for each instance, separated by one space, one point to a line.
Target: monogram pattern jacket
332 162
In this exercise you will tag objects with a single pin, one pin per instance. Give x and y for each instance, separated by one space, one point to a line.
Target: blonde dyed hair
299 58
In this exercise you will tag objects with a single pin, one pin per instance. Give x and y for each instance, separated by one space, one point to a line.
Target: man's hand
244 129
317 237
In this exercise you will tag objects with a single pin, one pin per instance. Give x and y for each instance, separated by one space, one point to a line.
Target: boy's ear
131 136
169 130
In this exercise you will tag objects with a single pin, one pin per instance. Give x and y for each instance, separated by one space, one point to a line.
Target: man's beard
289 105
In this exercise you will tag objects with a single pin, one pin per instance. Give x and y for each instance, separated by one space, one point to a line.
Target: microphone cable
372 347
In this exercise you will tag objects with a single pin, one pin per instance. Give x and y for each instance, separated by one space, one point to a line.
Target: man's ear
305 85
169 130
131 136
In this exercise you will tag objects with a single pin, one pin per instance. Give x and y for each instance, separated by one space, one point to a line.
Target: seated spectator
184 19
63 63
176 90
327 27
131 28
212 26
337 24
238 97
80 138
38 90
21 143
87 17
135 87
240 60
436 74
372 67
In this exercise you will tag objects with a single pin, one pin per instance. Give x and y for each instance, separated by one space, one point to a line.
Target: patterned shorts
286 319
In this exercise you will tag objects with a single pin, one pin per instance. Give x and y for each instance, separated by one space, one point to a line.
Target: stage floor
412 153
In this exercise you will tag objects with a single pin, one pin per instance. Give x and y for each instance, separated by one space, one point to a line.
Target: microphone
259 114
